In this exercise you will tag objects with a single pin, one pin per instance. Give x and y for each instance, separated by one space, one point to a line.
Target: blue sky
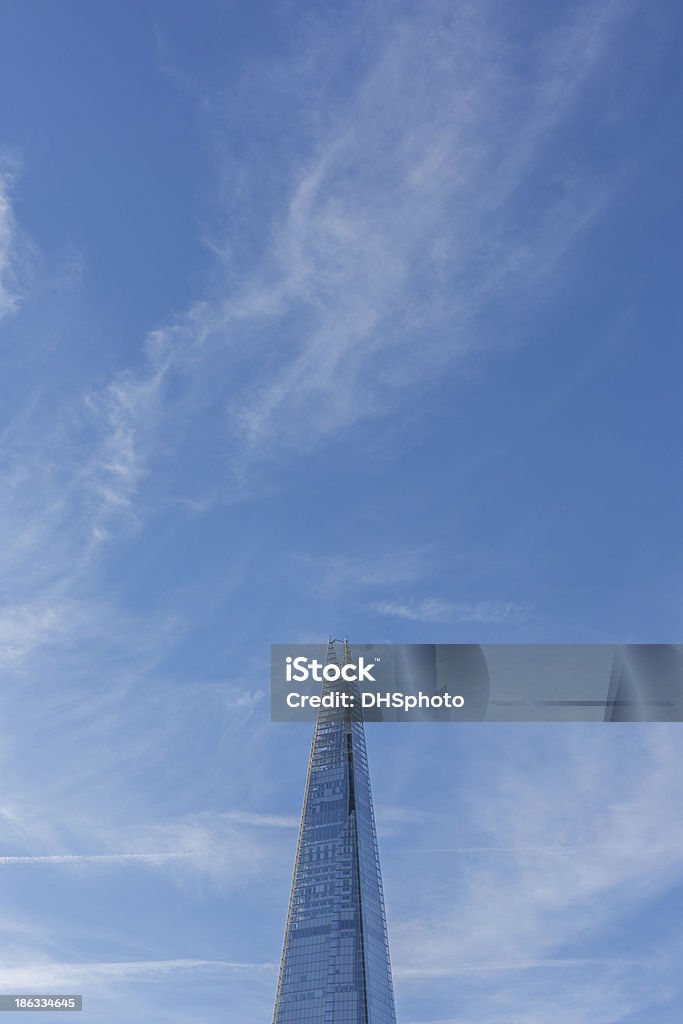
334 318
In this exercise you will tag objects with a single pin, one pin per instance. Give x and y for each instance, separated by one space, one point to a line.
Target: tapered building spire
335 962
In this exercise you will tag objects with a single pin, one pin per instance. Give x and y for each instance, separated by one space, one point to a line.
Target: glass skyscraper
335 961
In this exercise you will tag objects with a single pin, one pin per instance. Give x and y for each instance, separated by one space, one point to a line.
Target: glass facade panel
335 961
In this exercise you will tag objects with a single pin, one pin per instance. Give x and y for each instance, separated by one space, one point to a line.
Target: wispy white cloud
463 968
24 626
580 830
335 574
547 886
542 851
397 222
401 219
230 847
407 219
125 415
9 298
94 858
436 610
43 973
260 820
